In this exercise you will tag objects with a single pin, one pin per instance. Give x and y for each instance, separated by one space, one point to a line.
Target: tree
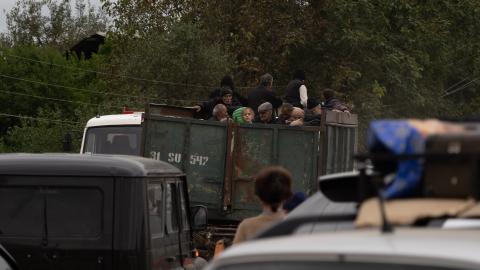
59 26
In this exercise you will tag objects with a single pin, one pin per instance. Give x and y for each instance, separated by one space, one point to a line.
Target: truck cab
113 134
66 211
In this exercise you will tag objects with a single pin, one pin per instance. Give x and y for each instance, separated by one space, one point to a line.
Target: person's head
220 112
266 80
328 93
299 75
297 114
227 81
296 117
314 106
265 111
286 109
248 114
226 95
273 185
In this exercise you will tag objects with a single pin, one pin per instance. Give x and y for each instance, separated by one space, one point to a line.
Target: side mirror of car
199 217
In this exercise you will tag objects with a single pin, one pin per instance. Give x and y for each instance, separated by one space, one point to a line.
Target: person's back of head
273 185
227 81
266 80
219 111
299 74
328 93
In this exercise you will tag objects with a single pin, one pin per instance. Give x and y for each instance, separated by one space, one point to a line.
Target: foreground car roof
83 165
432 247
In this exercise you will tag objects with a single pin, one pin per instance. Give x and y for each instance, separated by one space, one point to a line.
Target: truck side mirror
199 217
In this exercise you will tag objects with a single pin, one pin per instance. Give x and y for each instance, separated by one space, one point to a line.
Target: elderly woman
273 185
296 118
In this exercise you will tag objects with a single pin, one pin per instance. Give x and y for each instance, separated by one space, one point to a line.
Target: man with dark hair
313 114
206 108
296 93
263 93
227 82
332 103
273 185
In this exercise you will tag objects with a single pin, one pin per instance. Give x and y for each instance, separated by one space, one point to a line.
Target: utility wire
95 92
38 118
120 76
61 100
460 88
65 87
454 85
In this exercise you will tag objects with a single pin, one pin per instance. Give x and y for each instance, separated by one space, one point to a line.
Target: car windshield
124 140
302 265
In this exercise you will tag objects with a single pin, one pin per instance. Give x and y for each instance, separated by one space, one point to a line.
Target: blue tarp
399 137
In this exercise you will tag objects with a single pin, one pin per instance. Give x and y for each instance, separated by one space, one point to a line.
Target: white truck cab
113 134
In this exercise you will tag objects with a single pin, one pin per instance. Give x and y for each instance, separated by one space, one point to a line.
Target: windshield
124 140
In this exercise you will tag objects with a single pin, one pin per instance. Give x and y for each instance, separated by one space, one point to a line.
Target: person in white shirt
296 93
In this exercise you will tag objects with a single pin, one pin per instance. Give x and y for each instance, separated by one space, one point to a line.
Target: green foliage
385 58
53 23
40 135
180 55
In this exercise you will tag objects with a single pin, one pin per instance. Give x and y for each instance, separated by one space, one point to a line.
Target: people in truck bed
219 113
332 103
265 114
227 82
296 118
313 115
285 113
263 93
296 93
226 98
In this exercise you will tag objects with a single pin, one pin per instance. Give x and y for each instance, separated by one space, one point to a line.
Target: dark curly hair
273 185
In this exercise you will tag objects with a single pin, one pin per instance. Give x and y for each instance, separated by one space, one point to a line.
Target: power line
95 92
108 74
460 88
454 85
121 76
38 118
65 87
57 99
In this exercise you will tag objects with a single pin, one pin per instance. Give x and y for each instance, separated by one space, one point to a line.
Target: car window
171 198
113 140
306 265
27 211
155 209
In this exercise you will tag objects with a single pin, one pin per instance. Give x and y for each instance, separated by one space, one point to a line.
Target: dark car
63 211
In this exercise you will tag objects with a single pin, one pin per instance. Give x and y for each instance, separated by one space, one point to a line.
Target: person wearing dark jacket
332 103
265 112
227 82
313 115
206 108
296 93
263 93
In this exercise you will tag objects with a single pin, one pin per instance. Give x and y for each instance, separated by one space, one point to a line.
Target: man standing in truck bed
297 91
263 93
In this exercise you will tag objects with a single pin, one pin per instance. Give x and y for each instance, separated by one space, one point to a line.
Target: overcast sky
6 5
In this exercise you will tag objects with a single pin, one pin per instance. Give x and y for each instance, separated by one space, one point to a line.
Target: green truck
220 159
